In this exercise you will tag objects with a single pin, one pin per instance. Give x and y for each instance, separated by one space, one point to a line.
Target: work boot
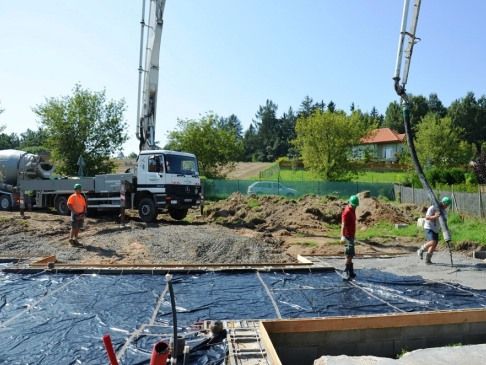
347 272
351 271
420 252
427 258
71 241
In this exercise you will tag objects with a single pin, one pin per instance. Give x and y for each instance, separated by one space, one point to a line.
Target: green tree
34 141
469 114
394 117
436 106
231 124
215 147
269 137
439 144
307 107
331 107
9 141
419 109
251 145
83 124
325 140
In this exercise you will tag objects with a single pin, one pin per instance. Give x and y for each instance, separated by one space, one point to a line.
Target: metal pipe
413 39
109 350
140 69
168 278
401 39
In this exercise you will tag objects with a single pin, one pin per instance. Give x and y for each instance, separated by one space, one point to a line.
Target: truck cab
166 180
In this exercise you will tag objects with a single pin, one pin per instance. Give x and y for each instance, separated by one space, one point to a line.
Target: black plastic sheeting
60 319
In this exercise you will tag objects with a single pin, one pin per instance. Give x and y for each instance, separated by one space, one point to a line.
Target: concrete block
301 355
376 347
481 255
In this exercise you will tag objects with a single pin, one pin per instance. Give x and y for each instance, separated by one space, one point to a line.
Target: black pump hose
418 168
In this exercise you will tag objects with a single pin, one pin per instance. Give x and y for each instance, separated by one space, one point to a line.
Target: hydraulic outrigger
400 84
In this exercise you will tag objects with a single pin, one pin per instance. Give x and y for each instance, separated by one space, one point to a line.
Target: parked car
270 188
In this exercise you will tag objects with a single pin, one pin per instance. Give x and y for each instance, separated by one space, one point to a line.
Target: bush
471 178
411 179
447 176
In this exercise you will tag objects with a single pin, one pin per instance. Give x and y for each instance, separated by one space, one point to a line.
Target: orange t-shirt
77 202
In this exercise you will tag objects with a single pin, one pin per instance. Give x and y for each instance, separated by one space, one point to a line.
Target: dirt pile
371 211
240 229
274 214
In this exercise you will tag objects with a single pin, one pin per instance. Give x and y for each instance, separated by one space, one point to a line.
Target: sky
230 56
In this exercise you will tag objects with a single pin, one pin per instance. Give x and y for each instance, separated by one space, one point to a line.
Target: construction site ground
240 229
252 230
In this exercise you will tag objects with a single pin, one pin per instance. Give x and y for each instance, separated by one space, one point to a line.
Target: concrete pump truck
162 181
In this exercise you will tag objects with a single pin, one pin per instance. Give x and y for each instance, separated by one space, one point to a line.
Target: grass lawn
467 231
381 177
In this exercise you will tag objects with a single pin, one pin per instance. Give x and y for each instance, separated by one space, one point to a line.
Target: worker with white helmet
431 228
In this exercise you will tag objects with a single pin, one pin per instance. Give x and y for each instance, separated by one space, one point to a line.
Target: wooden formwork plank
268 345
374 321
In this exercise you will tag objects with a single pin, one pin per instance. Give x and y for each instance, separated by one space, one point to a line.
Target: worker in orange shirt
77 205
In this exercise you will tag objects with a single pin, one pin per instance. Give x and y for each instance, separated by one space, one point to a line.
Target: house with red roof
382 144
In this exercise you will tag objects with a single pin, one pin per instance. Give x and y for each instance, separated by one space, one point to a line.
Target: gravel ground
104 241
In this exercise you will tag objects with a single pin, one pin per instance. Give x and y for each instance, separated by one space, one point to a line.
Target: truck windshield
181 165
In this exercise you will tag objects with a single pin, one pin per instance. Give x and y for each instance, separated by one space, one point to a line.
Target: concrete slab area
457 355
466 271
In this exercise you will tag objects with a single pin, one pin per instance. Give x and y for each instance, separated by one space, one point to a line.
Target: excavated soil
240 229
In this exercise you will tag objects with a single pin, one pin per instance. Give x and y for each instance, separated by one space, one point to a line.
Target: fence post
413 193
453 199
480 203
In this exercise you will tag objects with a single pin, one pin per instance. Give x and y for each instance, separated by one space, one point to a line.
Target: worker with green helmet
77 205
348 231
431 228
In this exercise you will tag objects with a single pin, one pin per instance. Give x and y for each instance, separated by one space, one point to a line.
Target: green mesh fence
221 189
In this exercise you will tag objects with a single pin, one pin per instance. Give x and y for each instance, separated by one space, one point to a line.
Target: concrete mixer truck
162 180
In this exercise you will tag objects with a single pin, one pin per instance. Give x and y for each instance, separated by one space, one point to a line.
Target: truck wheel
5 203
178 214
146 210
60 204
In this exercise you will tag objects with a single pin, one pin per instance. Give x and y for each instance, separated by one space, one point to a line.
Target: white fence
463 203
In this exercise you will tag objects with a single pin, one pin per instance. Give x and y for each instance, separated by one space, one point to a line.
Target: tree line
319 133
322 136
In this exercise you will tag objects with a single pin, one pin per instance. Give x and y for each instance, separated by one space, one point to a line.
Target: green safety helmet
77 186
446 201
353 200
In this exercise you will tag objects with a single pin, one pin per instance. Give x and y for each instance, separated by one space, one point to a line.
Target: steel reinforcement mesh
48 318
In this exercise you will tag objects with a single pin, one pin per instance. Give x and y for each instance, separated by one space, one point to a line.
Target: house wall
388 151
380 152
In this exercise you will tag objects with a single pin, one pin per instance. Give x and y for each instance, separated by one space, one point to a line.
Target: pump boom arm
399 84
147 98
